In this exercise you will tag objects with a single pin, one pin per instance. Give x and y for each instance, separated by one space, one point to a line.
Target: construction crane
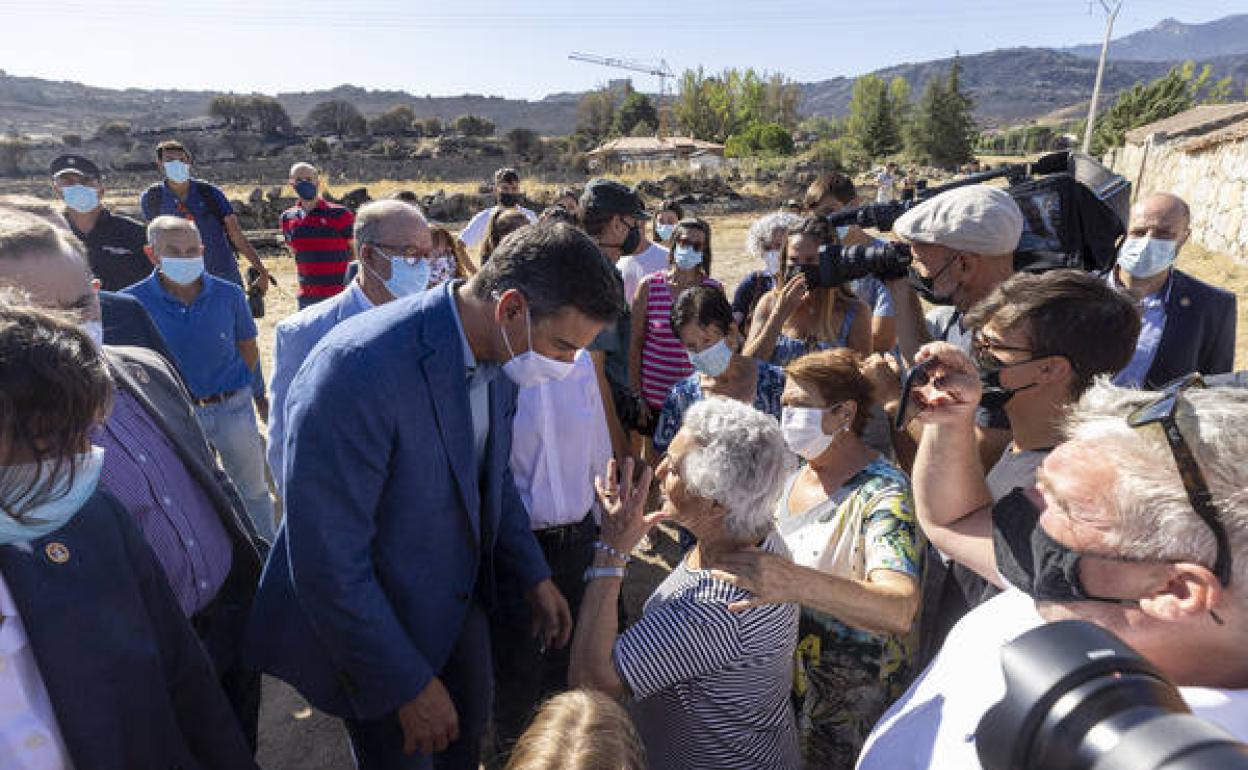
661 70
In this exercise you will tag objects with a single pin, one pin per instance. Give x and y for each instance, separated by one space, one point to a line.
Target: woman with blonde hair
795 319
449 259
579 730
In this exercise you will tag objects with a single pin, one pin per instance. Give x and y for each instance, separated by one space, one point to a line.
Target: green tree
760 139
13 149
319 147
268 115
338 117
393 122
636 109
431 126
872 123
943 128
903 108
71 140
113 129
1144 103
474 125
595 116
525 142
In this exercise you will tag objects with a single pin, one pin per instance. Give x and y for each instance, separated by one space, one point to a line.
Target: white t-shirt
637 266
932 726
887 183
559 443
474 233
1014 469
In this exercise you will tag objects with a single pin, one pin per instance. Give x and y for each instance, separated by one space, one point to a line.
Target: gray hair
301 165
764 229
1154 518
740 461
369 218
169 224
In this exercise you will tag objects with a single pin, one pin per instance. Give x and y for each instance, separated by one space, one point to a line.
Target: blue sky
519 49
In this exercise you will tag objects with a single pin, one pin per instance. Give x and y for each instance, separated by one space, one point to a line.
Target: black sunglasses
1163 412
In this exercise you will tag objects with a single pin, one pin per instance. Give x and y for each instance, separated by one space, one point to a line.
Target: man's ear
1056 369
151 255
510 306
1184 591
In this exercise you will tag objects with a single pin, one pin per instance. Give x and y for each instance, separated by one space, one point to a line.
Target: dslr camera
839 264
1078 698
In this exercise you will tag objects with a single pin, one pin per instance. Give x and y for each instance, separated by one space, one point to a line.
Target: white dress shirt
30 738
475 231
559 443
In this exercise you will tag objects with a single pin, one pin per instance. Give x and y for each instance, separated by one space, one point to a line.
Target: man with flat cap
114 242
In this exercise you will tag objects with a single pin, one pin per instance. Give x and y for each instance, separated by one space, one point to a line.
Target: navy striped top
711 687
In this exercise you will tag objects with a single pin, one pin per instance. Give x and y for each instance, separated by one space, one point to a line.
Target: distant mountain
1172 40
1015 84
1008 85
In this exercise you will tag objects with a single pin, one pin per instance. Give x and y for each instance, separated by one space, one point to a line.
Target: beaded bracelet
601 546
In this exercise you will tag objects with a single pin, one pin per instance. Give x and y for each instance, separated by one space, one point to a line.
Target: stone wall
1213 181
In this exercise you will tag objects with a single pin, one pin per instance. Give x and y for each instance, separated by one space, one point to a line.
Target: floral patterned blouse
846 677
688 392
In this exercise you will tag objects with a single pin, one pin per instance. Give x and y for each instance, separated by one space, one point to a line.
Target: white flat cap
977 218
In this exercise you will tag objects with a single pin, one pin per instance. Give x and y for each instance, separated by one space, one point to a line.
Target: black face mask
508 199
926 287
1028 558
631 241
995 395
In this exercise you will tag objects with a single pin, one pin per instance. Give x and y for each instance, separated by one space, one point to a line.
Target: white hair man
394 245
318 234
207 324
1137 523
711 685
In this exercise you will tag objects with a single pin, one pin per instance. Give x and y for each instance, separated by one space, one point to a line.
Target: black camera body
1079 698
840 264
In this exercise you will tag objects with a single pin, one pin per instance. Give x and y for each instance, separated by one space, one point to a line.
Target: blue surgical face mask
182 270
80 198
405 278
842 231
306 189
664 231
177 171
714 360
65 499
686 257
1145 257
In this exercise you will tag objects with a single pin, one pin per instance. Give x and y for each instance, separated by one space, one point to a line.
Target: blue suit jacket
126 676
293 340
1199 334
389 534
127 323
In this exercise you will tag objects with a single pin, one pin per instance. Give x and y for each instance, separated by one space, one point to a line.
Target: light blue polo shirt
204 335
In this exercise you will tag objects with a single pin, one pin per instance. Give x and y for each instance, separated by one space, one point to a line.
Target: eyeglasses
981 352
410 253
1163 412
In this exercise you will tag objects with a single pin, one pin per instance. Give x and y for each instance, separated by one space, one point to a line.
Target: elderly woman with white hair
763 242
708 675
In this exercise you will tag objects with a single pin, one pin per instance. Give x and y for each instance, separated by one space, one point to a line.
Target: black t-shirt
115 250
748 293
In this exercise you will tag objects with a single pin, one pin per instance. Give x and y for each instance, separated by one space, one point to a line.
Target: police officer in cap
114 242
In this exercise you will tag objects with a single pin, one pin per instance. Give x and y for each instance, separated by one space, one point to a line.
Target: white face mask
1146 257
803 431
771 261
531 367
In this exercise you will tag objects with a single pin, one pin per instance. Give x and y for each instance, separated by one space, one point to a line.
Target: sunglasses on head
1163 411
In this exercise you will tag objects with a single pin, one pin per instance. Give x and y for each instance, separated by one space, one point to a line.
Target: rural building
651 149
1201 155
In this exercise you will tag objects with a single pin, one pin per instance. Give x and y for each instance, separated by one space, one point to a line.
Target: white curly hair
739 461
764 229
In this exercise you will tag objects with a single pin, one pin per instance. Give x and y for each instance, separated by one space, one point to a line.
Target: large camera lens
1078 698
840 264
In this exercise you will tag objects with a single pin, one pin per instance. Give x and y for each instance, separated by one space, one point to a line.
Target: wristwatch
593 573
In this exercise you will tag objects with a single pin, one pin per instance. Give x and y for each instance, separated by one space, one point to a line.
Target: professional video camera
1078 698
1074 214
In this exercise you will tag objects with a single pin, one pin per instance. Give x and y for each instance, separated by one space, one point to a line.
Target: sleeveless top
789 349
664 361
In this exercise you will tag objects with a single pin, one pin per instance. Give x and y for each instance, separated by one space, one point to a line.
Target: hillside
1171 39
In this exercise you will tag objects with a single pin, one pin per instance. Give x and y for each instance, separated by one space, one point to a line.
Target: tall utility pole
1100 73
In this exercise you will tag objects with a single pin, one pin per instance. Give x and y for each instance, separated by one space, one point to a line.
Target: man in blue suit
402 514
376 224
1188 325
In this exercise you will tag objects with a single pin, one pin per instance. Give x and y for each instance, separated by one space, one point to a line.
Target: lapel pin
57 553
1185 302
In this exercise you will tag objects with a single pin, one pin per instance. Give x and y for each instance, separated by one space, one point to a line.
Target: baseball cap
977 219
611 197
77 163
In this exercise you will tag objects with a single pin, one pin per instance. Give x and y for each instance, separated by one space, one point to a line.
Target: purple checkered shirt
144 472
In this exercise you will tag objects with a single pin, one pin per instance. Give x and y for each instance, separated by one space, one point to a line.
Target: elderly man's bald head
1162 215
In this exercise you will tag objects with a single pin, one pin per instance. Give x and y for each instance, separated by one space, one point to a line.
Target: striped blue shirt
711 687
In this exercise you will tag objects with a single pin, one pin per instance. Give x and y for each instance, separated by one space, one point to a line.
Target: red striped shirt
664 360
321 241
